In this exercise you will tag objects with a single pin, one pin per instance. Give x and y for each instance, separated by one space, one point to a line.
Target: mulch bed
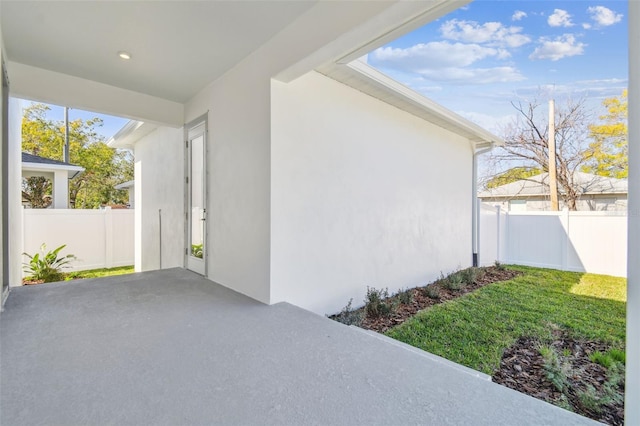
31 282
522 369
421 301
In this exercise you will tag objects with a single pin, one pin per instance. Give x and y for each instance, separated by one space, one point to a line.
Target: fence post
564 220
108 237
498 233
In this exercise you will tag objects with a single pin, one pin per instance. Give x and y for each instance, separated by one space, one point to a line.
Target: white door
196 214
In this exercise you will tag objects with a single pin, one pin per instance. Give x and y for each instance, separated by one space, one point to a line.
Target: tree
607 155
512 175
104 167
37 191
526 143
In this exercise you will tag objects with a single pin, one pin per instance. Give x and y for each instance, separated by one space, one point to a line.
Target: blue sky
110 125
479 58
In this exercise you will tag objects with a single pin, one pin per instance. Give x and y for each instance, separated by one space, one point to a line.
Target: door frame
188 128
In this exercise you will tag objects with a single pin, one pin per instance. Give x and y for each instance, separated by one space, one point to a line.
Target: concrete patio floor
171 348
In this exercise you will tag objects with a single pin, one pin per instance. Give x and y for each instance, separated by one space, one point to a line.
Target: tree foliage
104 167
37 191
607 155
512 175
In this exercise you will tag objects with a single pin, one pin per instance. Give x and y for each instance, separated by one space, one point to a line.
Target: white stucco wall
363 194
159 176
239 158
4 243
238 167
15 191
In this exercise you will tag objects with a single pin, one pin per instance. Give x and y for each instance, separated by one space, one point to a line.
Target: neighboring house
58 172
597 193
130 187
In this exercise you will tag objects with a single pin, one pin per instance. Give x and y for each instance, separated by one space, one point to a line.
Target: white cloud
518 15
445 61
474 75
604 16
561 47
560 18
490 33
433 55
586 26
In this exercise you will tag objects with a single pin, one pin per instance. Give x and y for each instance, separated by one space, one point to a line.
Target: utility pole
553 174
66 135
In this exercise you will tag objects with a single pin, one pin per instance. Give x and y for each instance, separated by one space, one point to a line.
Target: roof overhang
37 168
126 185
131 133
363 77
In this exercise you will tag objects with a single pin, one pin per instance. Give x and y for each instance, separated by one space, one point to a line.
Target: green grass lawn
98 273
475 329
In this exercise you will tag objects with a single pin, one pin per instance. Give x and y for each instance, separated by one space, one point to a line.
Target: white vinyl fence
572 241
98 238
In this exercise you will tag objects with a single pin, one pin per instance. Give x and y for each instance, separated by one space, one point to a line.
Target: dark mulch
421 301
522 368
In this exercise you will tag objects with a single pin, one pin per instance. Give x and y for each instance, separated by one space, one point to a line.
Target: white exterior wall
15 191
363 194
4 239
159 177
239 179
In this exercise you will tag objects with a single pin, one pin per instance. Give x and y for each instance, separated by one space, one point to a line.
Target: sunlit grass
98 273
602 287
475 329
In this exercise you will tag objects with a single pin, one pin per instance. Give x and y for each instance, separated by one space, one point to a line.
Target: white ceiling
177 47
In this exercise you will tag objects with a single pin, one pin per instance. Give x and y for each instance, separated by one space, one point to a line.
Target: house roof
126 185
535 186
34 163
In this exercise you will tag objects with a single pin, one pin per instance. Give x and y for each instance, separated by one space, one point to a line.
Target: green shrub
349 316
454 282
377 302
470 275
432 291
556 370
196 250
499 266
47 266
405 296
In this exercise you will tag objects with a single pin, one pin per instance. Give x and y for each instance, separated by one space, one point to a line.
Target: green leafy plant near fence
196 250
47 266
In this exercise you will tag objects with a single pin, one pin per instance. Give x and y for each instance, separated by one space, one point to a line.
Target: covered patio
170 347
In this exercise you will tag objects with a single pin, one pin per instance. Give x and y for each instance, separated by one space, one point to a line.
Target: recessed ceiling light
124 55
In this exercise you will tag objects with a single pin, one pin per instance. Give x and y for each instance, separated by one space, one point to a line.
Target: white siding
362 194
15 191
